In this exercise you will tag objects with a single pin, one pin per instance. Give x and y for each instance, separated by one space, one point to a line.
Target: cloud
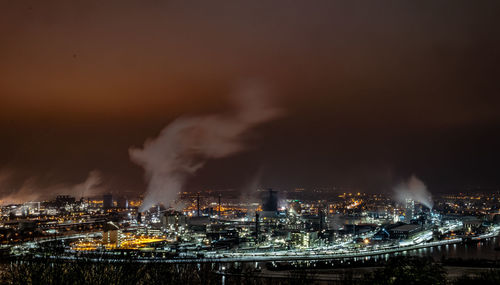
185 145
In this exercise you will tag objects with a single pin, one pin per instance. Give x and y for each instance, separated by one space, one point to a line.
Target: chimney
257 227
219 204
198 204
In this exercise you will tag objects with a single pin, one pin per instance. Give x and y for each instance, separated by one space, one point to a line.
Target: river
484 249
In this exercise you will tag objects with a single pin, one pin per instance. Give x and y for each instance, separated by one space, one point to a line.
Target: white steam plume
30 191
186 144
414 189
249 190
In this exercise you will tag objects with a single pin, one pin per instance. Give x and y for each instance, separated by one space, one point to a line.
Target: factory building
404 231
107 201
409 210
270 205
111 234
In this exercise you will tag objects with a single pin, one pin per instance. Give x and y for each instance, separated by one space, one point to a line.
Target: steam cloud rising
185 145
30 191
414 189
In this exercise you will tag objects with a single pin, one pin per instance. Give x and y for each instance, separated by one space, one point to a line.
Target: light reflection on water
481 250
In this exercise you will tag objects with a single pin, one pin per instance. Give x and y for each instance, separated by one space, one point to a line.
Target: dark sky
374 91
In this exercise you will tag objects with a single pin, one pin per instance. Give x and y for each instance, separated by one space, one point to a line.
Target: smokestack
219 205
198 203
320 212
257 228
139 217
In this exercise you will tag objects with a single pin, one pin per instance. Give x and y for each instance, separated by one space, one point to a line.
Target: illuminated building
409 210
63 200
111 234
33 208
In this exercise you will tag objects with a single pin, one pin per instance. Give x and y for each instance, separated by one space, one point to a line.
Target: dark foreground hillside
397 270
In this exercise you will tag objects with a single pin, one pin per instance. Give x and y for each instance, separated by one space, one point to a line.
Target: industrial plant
213 226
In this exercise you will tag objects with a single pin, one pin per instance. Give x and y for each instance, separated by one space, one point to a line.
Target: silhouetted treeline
397 270
86 272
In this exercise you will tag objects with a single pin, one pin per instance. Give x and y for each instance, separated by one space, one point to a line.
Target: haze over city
371 93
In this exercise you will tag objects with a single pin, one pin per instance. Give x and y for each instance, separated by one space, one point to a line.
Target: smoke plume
414 189
186 144
29 190
249 189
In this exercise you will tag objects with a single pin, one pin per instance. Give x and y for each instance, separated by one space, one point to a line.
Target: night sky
372 91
